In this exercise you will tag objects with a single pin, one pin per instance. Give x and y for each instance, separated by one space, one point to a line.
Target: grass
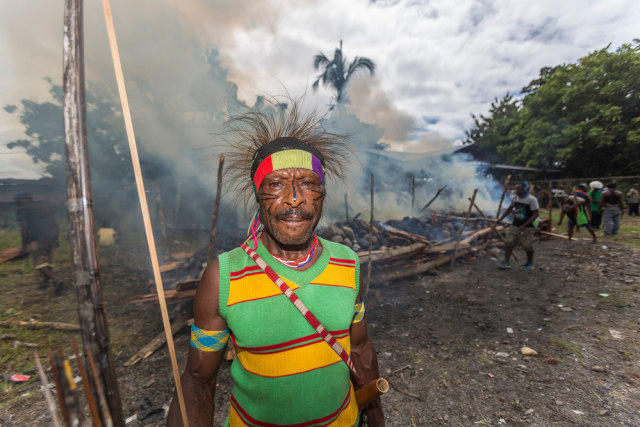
629 233
568 347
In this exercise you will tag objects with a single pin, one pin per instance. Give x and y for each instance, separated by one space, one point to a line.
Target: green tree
583 118
493 130
337 73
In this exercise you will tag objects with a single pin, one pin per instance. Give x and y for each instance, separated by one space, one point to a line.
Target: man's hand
521 228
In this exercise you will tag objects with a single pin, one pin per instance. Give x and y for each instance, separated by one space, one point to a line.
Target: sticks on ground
41 325
180 322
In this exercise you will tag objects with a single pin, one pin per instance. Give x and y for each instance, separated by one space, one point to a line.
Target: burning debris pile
402 248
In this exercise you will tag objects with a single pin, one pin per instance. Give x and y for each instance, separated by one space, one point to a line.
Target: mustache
295 214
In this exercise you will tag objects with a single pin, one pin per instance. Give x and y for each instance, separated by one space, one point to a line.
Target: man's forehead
291 173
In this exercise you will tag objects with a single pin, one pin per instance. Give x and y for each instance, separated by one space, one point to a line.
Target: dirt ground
449 342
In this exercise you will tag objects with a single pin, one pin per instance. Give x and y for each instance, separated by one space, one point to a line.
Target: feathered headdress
255 136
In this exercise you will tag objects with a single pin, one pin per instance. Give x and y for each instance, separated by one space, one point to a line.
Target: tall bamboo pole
95 334
216 208
144 207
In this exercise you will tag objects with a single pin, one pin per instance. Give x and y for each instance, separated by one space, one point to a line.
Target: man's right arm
199 377
505 213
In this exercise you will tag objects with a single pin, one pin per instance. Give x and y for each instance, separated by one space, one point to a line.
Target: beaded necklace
305 260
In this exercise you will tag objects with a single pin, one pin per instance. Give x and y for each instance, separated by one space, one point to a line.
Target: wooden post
94 331
346 208
366 287
178 195
160 210
549 206
413 193
216 207
504 190
473 200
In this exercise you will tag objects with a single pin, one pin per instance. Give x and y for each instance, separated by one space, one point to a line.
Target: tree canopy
582 118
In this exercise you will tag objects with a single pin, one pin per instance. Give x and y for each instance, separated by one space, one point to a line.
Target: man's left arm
363 356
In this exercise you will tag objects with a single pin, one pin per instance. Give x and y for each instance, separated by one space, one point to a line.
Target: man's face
291 204
519 189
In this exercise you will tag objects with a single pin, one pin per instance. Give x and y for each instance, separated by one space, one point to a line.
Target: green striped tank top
284 373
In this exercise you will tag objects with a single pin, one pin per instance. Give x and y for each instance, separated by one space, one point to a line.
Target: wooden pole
94 331
216 207
346 208
47 393
413 193
493 227
549 206
106 418
160 211
504 190
113 44
176 220
366 288
93 409
455 252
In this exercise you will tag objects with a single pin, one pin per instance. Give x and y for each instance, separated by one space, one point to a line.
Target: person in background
596 211
612 208
633 199
106 235
39 231
525 211
584 210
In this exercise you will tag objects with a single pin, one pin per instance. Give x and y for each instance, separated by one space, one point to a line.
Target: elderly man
525 209
284 373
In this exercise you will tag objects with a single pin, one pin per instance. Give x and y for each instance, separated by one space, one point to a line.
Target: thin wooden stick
47 393
366 288
549 206
104 407
464 224
93 409
143 203
346 208
216 207
160 210
413 193
433 198
56 380
504 190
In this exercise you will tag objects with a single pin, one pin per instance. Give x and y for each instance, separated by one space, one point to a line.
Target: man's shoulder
338 249
528 199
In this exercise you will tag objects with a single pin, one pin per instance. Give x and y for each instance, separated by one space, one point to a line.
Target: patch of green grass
567 346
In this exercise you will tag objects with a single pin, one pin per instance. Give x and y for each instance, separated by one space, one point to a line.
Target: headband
284 153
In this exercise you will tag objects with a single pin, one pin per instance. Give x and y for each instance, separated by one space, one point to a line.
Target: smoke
182 81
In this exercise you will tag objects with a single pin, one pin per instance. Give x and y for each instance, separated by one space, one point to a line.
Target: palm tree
336 73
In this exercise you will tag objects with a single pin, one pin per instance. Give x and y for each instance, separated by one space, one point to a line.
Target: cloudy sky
437 61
